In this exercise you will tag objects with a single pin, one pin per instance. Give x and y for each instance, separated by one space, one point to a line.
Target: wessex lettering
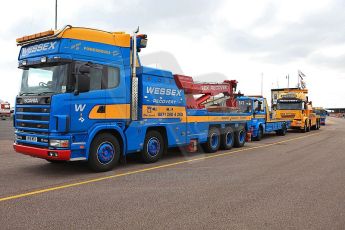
163 91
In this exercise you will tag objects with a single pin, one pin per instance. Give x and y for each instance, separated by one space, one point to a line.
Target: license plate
32 139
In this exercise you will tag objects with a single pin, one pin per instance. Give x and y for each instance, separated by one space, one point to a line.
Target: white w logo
79 108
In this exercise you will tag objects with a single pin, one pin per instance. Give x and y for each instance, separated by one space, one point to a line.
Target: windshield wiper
24 94
41 93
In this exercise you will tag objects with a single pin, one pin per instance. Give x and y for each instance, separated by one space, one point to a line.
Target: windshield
245 106
290 105
44 79
320 112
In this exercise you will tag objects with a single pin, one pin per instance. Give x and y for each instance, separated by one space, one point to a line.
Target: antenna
55 14
262 83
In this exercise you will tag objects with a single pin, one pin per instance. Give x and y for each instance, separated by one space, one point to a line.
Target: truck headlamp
59 143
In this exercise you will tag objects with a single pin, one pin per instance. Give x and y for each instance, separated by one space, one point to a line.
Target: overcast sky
210 40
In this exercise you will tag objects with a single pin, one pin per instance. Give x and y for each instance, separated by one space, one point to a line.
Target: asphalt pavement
291 182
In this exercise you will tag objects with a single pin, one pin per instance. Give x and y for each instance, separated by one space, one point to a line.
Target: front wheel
153 147
318 124
304 128
104 152
240 138
282 131
259 135
309 126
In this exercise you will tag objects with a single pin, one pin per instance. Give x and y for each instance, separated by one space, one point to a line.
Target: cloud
160 16
293 40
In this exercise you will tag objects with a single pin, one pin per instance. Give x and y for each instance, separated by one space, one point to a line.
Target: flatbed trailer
94 101
261 118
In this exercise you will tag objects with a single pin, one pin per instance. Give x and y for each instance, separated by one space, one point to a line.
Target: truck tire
309 126
105 152
283 131
213 141
304 128
240 138
154 147
260 134
227 139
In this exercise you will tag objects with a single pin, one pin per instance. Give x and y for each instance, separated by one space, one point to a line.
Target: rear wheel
240 138
154 147
227 138
213 141
104 152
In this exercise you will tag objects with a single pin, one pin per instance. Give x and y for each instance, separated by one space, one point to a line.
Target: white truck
5 110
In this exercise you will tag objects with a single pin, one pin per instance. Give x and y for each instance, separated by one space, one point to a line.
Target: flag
301 75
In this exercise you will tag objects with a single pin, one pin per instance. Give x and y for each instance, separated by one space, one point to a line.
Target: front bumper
63 155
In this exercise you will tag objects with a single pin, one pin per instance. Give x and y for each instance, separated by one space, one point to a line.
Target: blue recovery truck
85 96
261 121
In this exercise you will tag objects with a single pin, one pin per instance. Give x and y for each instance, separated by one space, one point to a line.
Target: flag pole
55 14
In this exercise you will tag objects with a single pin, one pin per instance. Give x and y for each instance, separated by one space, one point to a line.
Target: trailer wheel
213 141
227 138
240 138
153 147
260 134
104 152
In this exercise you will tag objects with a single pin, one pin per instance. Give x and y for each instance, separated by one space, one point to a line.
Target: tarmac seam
36 192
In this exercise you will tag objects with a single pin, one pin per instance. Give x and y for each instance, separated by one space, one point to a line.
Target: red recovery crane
206 90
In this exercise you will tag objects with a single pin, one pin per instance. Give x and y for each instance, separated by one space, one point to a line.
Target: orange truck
294 104
5 110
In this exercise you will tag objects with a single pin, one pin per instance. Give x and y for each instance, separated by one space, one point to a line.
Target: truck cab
321 113
295 106
262 121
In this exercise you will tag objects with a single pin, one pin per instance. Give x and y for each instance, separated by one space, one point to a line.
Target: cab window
258 106
101 76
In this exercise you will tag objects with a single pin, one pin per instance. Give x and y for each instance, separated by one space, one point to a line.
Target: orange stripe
116 111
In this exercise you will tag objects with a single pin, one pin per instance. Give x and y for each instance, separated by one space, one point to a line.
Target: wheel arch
162 130
114 130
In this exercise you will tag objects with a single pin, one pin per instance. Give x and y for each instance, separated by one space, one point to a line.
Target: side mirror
83 84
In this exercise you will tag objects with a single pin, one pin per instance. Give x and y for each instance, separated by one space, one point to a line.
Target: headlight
59 143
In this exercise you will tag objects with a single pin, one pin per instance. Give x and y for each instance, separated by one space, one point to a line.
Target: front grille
27 124
33 109
32 124
32 117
